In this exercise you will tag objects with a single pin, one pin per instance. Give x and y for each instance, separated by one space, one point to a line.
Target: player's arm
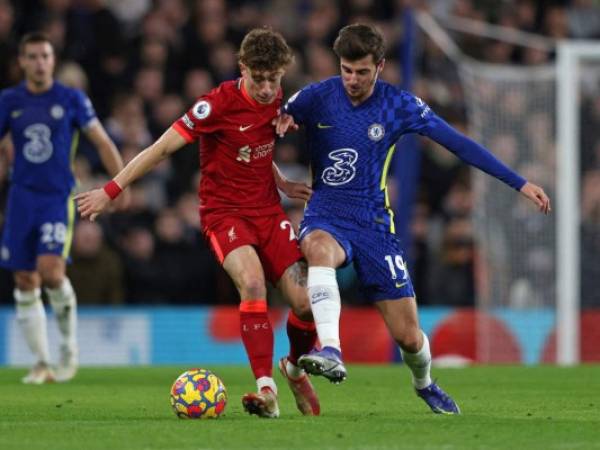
295 112
290 188
92 203
476 155
109 155
284 123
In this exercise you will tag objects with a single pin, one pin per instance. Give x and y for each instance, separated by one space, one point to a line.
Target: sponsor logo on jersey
201 109
247 153
343 169
244 153
16 113
244 128
376 132
38 148
399 285
188 122
57 112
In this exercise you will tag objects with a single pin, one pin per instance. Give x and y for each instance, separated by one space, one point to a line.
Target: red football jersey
236 150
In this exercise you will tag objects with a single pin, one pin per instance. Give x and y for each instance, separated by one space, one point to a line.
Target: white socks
324 297
64 304
293 370
31 317
266 382
419 364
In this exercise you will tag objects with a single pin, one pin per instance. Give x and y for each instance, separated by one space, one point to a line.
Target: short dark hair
357 41
33 38
264 49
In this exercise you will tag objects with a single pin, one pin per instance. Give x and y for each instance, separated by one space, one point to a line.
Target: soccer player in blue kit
43 118
353 123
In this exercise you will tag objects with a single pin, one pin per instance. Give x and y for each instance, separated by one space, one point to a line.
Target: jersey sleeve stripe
183 132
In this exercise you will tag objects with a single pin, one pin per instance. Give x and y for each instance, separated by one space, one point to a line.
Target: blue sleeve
3 115
416 116
84 111
299 105
471 152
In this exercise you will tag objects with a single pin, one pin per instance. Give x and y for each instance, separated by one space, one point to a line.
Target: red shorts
272 236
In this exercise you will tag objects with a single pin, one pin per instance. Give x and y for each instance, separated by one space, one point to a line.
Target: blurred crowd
144 62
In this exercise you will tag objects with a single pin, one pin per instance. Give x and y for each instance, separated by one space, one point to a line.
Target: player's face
37 61
262 86
359 77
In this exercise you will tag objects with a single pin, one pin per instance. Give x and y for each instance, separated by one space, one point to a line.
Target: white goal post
570 55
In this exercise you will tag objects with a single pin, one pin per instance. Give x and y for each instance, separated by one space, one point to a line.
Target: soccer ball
198 394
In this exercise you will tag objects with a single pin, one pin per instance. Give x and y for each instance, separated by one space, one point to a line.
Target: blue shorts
35 224
377 256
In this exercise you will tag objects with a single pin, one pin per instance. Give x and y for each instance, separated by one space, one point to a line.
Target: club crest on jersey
201 110
57 112
376 132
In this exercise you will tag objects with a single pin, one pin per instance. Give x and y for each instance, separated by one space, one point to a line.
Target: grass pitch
128 408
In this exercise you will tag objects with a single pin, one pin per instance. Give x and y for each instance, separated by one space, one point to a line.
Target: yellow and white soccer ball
198 394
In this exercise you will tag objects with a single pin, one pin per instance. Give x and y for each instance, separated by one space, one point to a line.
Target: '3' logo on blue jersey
342 171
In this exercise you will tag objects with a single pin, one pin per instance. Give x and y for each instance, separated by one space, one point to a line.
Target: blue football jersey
351 148
44 129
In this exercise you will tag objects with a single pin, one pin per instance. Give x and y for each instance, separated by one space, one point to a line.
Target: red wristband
112 189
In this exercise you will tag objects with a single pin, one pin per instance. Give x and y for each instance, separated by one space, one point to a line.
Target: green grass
128 408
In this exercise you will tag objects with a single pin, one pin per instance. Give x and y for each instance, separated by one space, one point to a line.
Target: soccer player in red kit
240 209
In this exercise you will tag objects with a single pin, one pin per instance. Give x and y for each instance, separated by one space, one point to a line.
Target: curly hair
357 41
264 50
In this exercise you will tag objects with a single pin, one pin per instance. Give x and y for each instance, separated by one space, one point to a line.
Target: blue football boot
326 362
438 400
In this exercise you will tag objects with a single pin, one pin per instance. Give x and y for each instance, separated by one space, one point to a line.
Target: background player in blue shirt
43 118
353 123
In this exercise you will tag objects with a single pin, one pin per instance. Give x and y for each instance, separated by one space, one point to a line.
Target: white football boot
67 364
39 374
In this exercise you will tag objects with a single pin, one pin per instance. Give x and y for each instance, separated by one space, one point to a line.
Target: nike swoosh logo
399 285
244 128
314 302
320 125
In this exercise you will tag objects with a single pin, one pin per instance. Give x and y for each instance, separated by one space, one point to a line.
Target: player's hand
292 189
122 201
537 195
92 203
283 123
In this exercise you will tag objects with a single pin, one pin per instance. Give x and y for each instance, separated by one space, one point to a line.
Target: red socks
302 336
257 336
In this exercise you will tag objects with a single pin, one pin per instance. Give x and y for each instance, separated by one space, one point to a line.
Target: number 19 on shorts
395 264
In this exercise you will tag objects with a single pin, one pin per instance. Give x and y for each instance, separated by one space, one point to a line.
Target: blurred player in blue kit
43 118
353 123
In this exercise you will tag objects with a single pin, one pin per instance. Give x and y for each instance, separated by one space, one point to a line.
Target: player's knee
51 277
411 341
253 287
26 281
316 254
